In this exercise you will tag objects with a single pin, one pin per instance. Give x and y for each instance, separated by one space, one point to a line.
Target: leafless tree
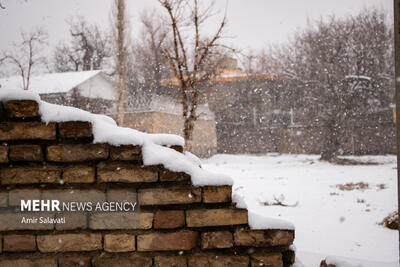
192 56
88 50
340 69
27 55
120 38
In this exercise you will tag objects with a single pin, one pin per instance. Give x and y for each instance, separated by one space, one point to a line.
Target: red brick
75 129
169 261
263 238
123 262
184 240
22 109
125 152
26 153
27 131
167 196
77 152
78 174
215 217
125 172
169 176
220 239
212 260
3 153
43 262
69 242
119 242
169 219
74 261
30 175
273 259
16 195
217 194
19 243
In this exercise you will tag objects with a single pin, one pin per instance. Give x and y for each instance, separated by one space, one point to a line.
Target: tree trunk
330 151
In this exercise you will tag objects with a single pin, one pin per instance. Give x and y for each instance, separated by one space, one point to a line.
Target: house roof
51 82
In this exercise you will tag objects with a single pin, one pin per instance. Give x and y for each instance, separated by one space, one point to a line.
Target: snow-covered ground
329 221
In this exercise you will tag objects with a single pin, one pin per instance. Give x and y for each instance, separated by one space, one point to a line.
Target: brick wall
178 224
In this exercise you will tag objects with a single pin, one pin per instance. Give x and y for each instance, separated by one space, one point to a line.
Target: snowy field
331 218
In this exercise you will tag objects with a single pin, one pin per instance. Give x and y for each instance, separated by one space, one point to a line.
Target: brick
121 220
288 257
22 109
220 239
44 262
125 262
19 243
125 152
167 196
75 129
121 195
3 154
69 242
30 175
119 242
27 131
217 194
168 261
169 219
74 195
263 238
266 260
169 176
3 199
16 195
215 217
78 174
211 260
26 153
77 152
183 240
126 173
74 261
11 220
73 221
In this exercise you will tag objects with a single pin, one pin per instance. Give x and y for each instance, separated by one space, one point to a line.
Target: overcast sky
252 23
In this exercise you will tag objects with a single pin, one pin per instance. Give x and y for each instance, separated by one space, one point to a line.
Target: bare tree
88 50
27 55
120 38
192 59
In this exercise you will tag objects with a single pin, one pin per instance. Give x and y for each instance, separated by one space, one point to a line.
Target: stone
16 195
121 220
263 238
268 259
215 217
169 219
220 239
183 240
16 109
119 242
123 262
169 176
26 153
168 196
125 152
169 261
125 173
3 153
75 129
43 262
69 242
78 174
74 261
20 243
77 152
30 175
217 194
27 131
212 260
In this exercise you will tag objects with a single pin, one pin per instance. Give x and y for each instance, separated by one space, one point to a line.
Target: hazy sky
253 23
